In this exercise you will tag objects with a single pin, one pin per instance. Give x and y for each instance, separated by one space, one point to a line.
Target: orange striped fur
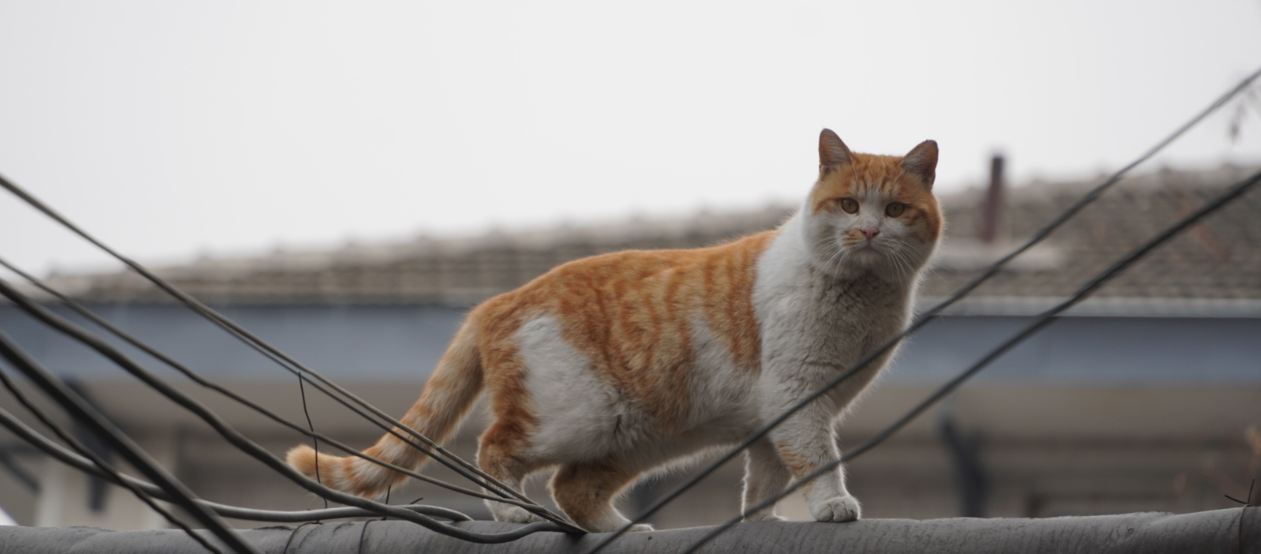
615 365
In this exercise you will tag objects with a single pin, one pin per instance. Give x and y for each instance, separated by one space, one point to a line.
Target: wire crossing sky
495 146
1045 319
178 129
928 316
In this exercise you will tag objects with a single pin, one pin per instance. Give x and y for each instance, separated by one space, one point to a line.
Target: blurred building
1145 397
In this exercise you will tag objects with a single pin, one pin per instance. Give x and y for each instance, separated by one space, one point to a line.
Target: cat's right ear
833 154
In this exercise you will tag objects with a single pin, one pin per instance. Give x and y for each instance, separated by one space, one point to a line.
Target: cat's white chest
816 325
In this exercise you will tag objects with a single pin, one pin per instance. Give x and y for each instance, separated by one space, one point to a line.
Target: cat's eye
849 205
894 209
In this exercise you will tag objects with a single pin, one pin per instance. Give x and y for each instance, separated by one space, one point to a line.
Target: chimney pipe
991 210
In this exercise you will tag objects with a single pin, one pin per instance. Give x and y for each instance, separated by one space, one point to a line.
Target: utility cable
197 378
929 315
97 465
226 431
1044 319
487 481
993 269
85 413
64 455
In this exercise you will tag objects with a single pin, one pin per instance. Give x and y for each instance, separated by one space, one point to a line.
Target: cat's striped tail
449 394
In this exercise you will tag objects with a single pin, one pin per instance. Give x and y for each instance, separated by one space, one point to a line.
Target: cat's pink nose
870 232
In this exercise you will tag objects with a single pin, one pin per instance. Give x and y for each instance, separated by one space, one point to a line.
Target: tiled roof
1218 260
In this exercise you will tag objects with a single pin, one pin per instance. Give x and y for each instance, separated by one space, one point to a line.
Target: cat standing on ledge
609 367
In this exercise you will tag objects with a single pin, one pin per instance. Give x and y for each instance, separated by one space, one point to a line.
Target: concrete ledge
1203 532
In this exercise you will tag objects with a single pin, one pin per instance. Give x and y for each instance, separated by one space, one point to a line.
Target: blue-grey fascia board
403 343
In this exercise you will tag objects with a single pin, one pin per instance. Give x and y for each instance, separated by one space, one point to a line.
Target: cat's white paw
837 509
612 523
765 515
515 514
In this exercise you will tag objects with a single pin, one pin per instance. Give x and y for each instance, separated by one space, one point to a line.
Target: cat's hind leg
585 492
765 475
503 454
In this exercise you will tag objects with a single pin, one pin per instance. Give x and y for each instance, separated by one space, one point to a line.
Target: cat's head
873 214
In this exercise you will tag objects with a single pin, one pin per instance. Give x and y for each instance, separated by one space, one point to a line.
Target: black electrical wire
891 343
392 430
235 438
83 412
64 455
290 364
97 465
241 333
926 317
197 378
99 468
315 443
1044 319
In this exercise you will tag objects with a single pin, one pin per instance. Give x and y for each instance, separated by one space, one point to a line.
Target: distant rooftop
1216 264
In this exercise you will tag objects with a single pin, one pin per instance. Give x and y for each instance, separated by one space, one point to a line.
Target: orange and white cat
612 366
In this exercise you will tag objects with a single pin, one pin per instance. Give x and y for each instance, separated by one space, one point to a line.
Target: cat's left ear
921 161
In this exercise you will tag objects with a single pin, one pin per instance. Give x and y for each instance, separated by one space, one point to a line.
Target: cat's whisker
840 261
901 262
837 260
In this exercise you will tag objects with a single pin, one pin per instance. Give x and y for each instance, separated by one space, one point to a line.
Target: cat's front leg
764 477
805 443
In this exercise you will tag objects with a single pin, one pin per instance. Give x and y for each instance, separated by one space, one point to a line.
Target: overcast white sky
172 129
